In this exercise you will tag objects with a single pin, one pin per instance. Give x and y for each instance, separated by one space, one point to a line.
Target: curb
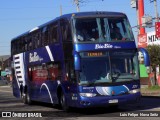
157 97
151 93
5 86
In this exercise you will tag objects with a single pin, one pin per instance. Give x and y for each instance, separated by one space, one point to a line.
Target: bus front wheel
63 102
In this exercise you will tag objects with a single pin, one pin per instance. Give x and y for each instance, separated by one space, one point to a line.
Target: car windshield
109 67
102 29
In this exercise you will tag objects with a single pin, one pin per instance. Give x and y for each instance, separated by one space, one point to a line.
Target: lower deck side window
45 71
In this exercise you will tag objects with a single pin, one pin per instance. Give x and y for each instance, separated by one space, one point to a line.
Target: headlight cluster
134 91
88 94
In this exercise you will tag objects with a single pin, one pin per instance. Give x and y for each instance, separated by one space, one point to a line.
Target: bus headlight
134 91
88 94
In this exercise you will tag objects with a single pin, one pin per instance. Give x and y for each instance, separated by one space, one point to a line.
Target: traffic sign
142 40
157 29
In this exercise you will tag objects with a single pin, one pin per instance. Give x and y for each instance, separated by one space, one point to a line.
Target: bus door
71 84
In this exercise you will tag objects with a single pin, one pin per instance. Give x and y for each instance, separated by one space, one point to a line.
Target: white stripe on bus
49 53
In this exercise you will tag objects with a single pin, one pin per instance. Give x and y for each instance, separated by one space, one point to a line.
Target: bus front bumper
104 101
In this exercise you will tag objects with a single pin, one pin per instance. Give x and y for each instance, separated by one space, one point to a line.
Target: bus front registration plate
113 101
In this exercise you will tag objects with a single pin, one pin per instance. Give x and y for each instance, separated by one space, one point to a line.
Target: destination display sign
92 54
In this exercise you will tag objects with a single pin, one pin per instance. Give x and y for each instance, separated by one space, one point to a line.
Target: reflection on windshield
102 29
118 66
94 70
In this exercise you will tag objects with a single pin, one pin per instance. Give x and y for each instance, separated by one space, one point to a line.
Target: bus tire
26 99
63 102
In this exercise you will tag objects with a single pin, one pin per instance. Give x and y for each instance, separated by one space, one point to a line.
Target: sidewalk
146 92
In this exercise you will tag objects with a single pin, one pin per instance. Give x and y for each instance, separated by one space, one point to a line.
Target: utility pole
140 15
61 10
77 2
142 36
77 5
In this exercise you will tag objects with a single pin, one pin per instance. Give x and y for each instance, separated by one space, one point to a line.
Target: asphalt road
8 103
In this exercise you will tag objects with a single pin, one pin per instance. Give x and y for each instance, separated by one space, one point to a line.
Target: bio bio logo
100 46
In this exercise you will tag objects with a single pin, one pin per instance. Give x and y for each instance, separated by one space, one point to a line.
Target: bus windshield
102 29
109 67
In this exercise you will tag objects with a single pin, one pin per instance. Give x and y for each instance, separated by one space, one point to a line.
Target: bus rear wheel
26 99
63 102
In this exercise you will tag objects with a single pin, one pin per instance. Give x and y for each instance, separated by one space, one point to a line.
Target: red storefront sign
142 40
157 29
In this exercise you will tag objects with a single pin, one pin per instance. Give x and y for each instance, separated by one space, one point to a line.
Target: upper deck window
102 29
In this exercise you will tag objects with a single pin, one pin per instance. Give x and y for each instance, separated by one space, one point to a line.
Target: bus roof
78 15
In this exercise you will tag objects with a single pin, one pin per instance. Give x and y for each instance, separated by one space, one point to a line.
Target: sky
19 16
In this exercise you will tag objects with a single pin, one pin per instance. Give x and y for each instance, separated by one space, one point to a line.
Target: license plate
113 101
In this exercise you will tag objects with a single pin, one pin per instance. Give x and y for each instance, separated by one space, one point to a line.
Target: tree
154 54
